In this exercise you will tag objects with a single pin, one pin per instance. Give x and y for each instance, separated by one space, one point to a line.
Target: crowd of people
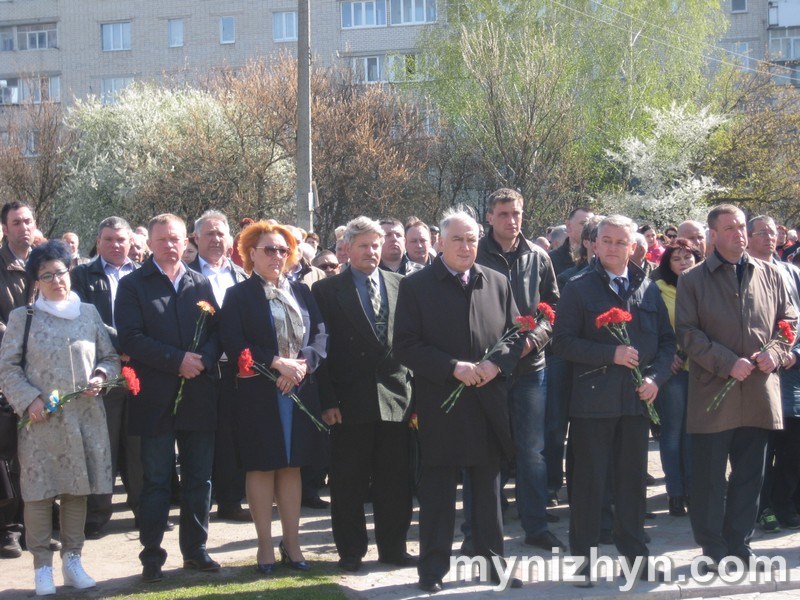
264 364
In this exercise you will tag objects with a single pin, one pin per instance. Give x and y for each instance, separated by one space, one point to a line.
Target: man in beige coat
727 309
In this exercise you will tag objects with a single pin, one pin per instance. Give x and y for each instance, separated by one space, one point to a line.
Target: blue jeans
527 402
196 451
674 443
558 390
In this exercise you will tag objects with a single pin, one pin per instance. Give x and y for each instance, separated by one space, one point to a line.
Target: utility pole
305 215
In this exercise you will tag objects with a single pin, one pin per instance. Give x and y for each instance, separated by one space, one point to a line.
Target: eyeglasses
672 236
328 266
765 233
279 251
48 277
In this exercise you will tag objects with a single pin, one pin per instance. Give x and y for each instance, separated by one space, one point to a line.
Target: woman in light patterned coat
65 453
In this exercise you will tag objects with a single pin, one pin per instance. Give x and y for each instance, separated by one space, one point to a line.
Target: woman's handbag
8 418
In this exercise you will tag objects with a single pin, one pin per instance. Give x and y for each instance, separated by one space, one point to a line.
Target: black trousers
723 514
361 454
600 444
786 473
437 514
125 457
227 477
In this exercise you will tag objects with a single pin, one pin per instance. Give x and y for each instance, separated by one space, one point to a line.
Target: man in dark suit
365 396
448 314
156 312
213 239
609 424
96 283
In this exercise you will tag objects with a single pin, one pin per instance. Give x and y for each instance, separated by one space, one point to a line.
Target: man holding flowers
448 314
727 312
609 422
530 272
159 310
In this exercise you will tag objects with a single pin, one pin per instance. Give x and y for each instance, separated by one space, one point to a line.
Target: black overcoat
439 323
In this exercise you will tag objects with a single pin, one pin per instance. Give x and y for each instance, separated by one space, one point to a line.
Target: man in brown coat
727 309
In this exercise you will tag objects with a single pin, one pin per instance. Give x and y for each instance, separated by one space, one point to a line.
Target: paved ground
112 560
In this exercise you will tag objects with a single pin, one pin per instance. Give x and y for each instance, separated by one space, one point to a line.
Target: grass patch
241 582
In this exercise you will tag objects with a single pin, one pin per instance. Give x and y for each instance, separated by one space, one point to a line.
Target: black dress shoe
152 573
315 502
92 531
404 560
169 526
234 513
432 586
350 564
202 562
544 540
676 506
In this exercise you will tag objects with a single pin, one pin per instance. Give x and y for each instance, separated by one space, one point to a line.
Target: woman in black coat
279 322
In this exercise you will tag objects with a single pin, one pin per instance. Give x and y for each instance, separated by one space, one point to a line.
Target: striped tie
380 310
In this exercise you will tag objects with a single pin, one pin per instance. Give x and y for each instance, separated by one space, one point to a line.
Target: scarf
286 314
68 309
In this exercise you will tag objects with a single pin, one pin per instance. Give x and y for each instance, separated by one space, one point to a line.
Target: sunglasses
328 266
279 251
672 236
48 277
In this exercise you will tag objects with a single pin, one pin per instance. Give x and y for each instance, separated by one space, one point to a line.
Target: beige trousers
39 527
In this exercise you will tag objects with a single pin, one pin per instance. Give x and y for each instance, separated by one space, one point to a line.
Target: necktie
622 286
464 279
379 310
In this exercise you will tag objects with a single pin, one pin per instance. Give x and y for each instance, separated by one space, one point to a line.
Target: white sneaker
43 576
74 575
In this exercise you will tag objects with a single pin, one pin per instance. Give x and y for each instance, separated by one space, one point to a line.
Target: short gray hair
208 216
640 240
113 223
620 221
360 225
558 233
751 224
459 214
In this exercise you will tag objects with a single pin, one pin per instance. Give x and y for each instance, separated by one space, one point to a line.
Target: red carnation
547 311
246 363
785 331
614 316
526 323
131 380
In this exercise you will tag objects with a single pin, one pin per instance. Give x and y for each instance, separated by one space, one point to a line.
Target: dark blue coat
601 388
156 326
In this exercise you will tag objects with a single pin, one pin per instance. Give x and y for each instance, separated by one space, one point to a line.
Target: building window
175 33
116 36
44 88
402 67
37 37
741 53
363 14
738 6
368 69
110 88
6 39
784 43
284 26
227 30
405 12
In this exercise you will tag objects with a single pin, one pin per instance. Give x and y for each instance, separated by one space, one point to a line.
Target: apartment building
68 49
765 30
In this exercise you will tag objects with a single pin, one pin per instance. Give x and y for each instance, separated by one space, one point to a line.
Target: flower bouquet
523 324
414 453
248 367
206 310
614 320
784 335
56 400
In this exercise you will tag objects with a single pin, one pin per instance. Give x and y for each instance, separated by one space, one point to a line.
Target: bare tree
34 147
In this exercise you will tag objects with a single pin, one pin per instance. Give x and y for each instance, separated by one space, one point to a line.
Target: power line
672 46
682 35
